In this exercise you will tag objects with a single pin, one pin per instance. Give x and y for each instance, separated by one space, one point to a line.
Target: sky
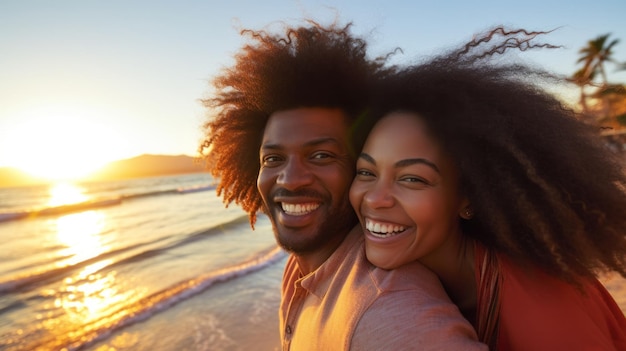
83 82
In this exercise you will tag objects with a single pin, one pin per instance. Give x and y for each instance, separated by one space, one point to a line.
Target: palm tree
593 56
582 79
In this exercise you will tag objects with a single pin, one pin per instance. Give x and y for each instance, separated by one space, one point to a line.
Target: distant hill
147 166
10 177
136 167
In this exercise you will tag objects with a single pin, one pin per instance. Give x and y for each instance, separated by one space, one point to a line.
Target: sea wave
118 257
148 306
155 303
98 203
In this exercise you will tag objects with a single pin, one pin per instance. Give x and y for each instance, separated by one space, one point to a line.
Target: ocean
144 264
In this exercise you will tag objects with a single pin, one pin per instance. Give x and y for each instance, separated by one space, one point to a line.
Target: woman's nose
378 195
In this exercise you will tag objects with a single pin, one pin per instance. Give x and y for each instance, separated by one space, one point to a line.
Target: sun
60 145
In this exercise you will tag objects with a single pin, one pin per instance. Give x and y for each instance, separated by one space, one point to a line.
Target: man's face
306 172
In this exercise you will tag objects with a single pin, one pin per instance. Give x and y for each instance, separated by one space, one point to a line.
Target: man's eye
270 159
321 155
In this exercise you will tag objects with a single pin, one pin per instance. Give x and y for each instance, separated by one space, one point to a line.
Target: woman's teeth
383 230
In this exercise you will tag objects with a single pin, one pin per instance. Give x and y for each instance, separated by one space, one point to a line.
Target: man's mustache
282 192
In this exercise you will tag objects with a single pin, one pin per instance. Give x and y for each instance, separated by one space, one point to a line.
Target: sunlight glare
89 297
65 194
61 143
81 234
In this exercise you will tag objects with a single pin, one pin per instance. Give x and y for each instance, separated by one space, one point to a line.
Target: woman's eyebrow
412 161
403 163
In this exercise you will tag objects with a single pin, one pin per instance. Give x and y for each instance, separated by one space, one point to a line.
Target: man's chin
316 235
296 243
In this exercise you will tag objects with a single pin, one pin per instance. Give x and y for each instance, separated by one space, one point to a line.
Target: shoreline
214 320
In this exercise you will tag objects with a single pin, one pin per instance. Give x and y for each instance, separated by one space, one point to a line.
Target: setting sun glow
60 144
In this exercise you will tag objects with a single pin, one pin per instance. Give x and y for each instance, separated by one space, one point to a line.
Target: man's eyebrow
315 142
270 147
324 140
403 163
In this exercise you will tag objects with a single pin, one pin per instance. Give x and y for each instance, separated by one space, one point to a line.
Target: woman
505 194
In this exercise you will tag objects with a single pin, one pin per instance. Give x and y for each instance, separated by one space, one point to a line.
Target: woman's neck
455 269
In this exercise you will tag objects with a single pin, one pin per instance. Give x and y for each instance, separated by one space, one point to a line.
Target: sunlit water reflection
80 234
65 193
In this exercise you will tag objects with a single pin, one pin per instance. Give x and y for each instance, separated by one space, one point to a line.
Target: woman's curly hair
307 66
544 188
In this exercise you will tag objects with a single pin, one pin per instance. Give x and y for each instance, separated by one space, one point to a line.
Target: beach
144 264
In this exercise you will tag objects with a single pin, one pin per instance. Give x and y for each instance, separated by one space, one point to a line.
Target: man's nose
295 174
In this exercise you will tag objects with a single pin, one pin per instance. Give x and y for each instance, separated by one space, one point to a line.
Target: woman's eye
414 180
364 173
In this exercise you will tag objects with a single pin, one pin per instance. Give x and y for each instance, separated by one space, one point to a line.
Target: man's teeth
383 230
299 209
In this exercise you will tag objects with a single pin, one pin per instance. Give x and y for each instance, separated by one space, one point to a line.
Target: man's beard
338 222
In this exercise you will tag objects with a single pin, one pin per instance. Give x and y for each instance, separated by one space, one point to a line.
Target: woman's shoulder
539 312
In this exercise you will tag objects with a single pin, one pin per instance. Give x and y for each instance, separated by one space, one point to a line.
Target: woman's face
406 195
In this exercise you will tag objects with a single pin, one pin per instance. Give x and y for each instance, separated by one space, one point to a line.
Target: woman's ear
466 211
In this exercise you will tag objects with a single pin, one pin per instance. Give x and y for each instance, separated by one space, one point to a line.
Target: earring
468 213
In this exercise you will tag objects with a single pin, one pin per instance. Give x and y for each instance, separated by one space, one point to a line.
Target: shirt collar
318 281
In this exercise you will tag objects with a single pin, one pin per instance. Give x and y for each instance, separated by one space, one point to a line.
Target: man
284 141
